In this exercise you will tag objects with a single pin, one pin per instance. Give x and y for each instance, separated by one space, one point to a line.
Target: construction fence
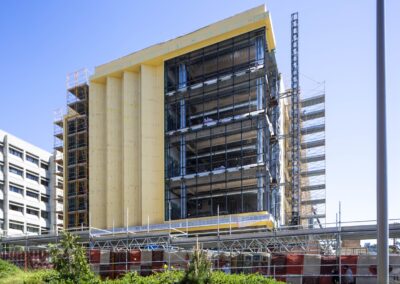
292 268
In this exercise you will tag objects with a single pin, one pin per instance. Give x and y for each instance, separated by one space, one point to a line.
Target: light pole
381 181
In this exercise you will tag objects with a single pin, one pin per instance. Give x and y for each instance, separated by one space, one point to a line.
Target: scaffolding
112 253
313 157
76 150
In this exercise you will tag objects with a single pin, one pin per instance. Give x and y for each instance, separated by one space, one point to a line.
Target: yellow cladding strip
225 29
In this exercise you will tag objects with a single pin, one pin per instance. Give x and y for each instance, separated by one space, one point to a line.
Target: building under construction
200 126
197 140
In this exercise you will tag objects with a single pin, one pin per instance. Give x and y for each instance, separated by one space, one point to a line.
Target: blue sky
42 41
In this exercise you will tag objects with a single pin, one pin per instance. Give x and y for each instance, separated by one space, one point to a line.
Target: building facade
188 128
30 201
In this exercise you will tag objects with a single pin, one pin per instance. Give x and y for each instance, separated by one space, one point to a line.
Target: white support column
6 185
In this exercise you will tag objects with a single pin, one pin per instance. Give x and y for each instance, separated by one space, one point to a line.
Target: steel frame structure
299 239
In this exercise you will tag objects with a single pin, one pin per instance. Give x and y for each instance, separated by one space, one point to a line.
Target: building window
32 211
45 198
32 159
44 165
1 168
33 194
32 176
16 189
71 220
44 181
72 204
16 152
16 226
44 214
16 171
17 207
31 229
45 230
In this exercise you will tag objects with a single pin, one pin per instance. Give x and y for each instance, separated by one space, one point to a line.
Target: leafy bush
166 277
7 269
70 263
40 276
219 277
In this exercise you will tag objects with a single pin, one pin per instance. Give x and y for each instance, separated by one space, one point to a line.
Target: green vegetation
11 274
199 271
70 263
71 267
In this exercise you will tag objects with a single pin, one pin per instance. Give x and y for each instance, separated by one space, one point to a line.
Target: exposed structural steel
301 240
72 140
295 123
222 119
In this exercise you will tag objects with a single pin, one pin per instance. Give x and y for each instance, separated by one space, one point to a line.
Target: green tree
199 271
70 262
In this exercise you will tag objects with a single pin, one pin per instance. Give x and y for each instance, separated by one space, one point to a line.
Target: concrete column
131 150
114 152
152 143
6 184
97 156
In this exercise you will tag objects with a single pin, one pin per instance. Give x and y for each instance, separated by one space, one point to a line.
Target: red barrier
328 265
294 264
94 256
350 261
157 257
134 257
278 266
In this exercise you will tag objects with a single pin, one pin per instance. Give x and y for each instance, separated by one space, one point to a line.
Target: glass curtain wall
217 130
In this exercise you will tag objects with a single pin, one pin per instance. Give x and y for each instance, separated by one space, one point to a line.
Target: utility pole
381 171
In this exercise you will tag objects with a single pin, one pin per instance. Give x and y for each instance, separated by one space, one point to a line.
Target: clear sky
42 41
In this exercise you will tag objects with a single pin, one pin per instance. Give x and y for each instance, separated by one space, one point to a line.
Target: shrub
7 269
40 276
70 263
219 277
199 271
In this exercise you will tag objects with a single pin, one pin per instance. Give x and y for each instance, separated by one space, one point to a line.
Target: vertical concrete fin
131 168
114 151
97 155
152 143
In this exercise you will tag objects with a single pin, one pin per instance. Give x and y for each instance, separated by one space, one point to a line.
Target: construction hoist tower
307 143
295 117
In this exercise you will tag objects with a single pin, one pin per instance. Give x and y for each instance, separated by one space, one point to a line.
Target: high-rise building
30 202
188 128
195 127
